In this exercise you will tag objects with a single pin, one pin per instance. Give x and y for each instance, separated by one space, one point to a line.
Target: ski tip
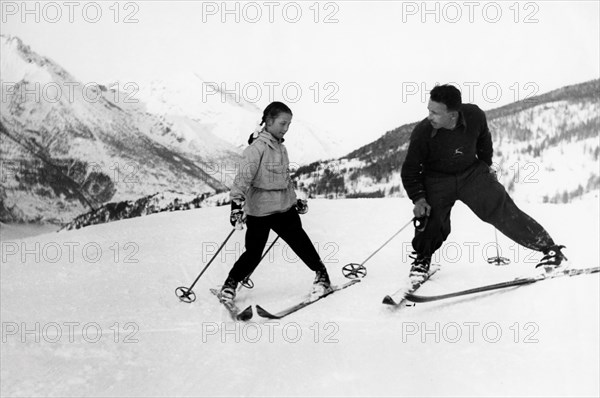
245 314
264 313
389 300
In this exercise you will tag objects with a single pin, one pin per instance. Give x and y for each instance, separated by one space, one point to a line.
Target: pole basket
354 271
185 294
498 261
247 283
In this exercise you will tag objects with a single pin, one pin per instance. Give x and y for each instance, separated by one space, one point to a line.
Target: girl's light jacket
263 181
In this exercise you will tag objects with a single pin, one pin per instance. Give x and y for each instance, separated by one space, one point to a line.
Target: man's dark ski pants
486 197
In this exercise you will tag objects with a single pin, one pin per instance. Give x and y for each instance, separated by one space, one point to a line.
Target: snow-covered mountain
228 115
545 149
68 145
94 312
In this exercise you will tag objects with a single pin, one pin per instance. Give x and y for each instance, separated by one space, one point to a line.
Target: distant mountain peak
226 115
20 63
84 147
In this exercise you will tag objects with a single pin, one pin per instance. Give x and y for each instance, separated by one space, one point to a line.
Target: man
449 158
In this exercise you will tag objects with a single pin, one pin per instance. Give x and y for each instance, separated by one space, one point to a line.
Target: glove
302 206
237 215
421 208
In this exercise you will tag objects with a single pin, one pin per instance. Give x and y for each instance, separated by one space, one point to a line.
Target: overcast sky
356 68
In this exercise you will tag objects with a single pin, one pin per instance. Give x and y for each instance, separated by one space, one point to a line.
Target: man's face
439 116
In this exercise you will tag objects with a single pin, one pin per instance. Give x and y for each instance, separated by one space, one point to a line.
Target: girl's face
279 126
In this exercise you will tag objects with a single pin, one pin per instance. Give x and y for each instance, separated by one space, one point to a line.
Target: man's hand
421 208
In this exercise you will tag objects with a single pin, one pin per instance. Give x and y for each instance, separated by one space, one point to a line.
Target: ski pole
354 270
186 294
498 260
247 282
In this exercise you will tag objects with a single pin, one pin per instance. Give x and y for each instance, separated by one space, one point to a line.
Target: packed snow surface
93 312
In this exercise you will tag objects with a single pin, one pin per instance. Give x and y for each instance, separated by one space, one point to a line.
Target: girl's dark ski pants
289 227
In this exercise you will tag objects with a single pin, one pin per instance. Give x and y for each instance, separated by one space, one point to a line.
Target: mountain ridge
97 145
524 133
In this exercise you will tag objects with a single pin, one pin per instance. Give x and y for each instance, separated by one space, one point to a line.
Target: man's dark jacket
442 152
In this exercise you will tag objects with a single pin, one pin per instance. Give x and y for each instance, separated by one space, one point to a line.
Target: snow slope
96 313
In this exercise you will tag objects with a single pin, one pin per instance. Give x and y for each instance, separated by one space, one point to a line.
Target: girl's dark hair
273 110
447 95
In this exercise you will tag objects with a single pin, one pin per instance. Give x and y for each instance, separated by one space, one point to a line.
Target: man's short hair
447 95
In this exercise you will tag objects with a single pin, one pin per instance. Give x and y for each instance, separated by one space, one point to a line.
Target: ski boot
420 267
553 259
322 284
227 292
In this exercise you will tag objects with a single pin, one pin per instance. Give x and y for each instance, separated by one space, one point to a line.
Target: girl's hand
302 206
237 217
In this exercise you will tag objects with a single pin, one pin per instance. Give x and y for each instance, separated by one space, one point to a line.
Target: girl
263 197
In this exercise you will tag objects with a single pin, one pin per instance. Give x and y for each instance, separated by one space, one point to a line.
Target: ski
233 309
502 285
389 299
304 303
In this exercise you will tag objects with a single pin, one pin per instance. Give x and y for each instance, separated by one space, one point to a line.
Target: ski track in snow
528 341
